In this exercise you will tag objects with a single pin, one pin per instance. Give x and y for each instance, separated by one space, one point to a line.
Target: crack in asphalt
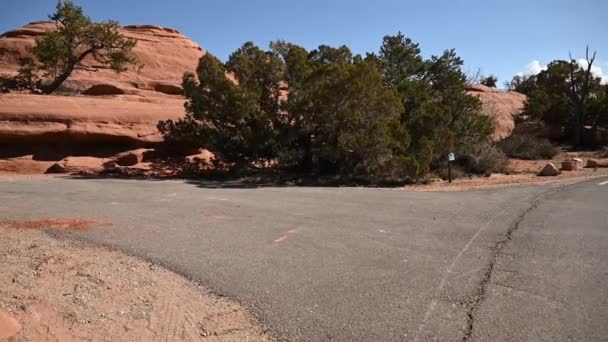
497 249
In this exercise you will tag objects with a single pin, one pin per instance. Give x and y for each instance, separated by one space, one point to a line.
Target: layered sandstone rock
163 55
81 119
107 113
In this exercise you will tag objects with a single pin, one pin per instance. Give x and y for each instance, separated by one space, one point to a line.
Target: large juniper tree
237 120
386 117
344 119
566 94
314 112
438 112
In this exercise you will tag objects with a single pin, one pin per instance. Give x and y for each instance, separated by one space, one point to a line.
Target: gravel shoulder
67 291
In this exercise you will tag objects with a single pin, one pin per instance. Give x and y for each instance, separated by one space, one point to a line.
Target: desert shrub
483 158
527 146
457 172
24 81
388 118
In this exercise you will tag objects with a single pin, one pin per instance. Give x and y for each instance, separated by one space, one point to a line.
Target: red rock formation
37 130
503 107
163 56
81 119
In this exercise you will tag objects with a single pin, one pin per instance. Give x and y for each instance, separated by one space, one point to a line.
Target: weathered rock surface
593 163
24 165
163 56
77 119
549 170
570 165
503 107
130 158
78 165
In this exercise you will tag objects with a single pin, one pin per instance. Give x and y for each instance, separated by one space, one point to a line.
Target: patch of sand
64 291
54 223
502 180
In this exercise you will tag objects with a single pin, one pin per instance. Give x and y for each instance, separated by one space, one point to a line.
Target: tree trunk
579 125
307 162
48 89
72 63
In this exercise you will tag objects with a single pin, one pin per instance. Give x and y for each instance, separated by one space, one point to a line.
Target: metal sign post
451 158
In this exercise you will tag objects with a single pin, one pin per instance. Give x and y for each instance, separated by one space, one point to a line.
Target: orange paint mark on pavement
284 237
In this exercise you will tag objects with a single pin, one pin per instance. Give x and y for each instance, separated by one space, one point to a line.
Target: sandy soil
501 180
64 291
524 172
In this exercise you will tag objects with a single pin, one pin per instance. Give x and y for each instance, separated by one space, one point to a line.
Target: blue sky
499 37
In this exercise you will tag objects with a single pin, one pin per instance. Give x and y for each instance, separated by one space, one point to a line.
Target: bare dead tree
474 78
579 93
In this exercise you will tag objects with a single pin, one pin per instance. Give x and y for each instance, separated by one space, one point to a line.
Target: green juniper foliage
567 95
388 117
489 81
438 113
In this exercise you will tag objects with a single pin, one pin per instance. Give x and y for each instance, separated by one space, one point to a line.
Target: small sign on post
451 158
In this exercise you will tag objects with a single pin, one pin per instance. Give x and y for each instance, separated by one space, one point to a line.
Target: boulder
593 163
549 170
58 167
81 165
570 165
134 157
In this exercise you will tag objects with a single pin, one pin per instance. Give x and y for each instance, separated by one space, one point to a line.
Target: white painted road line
603 183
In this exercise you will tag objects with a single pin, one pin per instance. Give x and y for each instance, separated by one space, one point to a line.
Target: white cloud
532 68
535 67
596 70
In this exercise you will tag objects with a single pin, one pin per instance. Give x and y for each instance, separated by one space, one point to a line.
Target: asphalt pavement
525 263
